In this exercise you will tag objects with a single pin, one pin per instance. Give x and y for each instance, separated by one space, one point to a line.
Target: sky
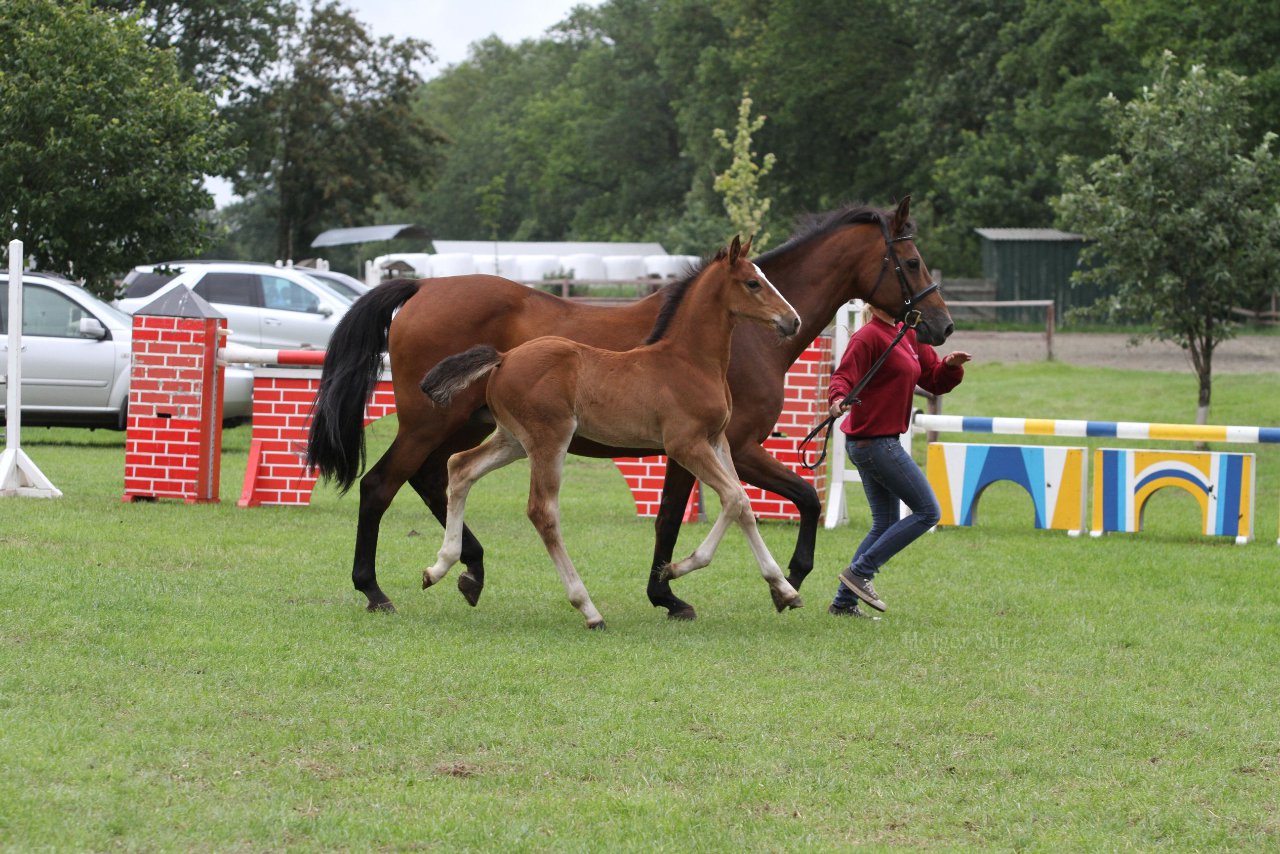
450 26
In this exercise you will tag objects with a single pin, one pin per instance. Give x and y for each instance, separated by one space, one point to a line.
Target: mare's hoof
685 614
596 626
381 607
782 603
470 588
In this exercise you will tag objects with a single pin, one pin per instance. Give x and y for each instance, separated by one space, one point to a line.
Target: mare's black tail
352 366
455 373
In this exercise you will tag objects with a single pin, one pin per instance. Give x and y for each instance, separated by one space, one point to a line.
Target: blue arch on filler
987 464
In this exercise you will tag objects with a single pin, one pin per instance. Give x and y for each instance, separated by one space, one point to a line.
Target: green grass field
203 678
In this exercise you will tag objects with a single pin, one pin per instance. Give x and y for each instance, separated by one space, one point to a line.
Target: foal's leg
465 469
759 468
546 468
715 469
430 483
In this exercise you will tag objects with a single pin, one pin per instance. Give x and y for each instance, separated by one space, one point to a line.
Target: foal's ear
901 216
735 249
746 247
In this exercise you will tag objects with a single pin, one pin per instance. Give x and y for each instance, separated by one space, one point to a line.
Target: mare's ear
735 249
901 216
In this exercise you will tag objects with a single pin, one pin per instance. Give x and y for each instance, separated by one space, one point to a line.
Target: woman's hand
838 408
959 357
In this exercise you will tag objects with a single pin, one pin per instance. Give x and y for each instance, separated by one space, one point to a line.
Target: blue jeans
889 475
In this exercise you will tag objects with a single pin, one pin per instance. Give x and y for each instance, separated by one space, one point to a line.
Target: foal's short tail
352 365
453 374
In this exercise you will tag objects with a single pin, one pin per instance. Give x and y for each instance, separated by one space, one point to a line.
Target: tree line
603 129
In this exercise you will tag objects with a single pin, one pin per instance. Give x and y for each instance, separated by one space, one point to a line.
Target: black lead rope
909 322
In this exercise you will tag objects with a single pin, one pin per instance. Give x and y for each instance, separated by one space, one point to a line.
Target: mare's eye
913 263
752 284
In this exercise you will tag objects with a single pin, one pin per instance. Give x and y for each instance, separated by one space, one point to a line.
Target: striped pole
1097 429
242 354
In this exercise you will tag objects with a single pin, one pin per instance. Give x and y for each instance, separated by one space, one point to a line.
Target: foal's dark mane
672 295
818 225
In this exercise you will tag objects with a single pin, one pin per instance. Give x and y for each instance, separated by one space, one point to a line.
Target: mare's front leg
759 468
675 497
465 468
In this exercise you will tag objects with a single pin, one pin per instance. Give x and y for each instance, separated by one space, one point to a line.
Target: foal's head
746 291
731 283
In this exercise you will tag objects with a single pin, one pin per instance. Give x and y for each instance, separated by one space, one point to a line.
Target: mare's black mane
810 228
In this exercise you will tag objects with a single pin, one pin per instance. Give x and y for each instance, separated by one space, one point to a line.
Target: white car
75 358
265 306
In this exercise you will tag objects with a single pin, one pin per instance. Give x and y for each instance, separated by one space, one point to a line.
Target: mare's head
747 292
902 285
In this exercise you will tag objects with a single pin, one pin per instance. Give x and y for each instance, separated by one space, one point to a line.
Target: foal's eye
752 284
913 263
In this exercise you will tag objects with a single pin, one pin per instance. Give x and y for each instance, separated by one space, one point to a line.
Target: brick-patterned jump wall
282 399
173 443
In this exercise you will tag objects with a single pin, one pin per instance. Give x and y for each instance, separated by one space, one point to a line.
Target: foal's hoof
685 614
470 587
426 579
598 625
782 603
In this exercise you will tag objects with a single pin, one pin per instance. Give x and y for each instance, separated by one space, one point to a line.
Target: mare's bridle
909 318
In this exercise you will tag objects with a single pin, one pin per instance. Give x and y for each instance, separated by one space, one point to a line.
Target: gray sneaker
849 611
862 588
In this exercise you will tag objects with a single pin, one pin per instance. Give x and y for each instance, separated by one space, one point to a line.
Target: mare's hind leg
377 488
675 497
714 467
465 469
547 465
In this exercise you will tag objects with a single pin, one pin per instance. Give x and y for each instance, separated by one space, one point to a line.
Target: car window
337 287
139 284
45 312
230 288
285 295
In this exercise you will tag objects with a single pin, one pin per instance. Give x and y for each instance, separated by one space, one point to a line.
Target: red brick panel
173 434
282 400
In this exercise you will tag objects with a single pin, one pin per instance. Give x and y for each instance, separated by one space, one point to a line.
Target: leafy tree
1183 219
336 131
221 45
103 147
740 183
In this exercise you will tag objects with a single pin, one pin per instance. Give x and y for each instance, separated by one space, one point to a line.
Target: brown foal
672 393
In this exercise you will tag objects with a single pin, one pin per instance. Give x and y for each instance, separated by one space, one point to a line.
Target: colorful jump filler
1223 484
1054 477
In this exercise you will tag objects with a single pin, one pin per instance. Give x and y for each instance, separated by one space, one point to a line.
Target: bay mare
670 393
838 256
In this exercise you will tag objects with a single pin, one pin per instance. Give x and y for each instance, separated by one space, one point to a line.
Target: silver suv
75 358
265 306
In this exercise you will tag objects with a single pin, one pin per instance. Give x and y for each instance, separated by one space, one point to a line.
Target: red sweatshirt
886 401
